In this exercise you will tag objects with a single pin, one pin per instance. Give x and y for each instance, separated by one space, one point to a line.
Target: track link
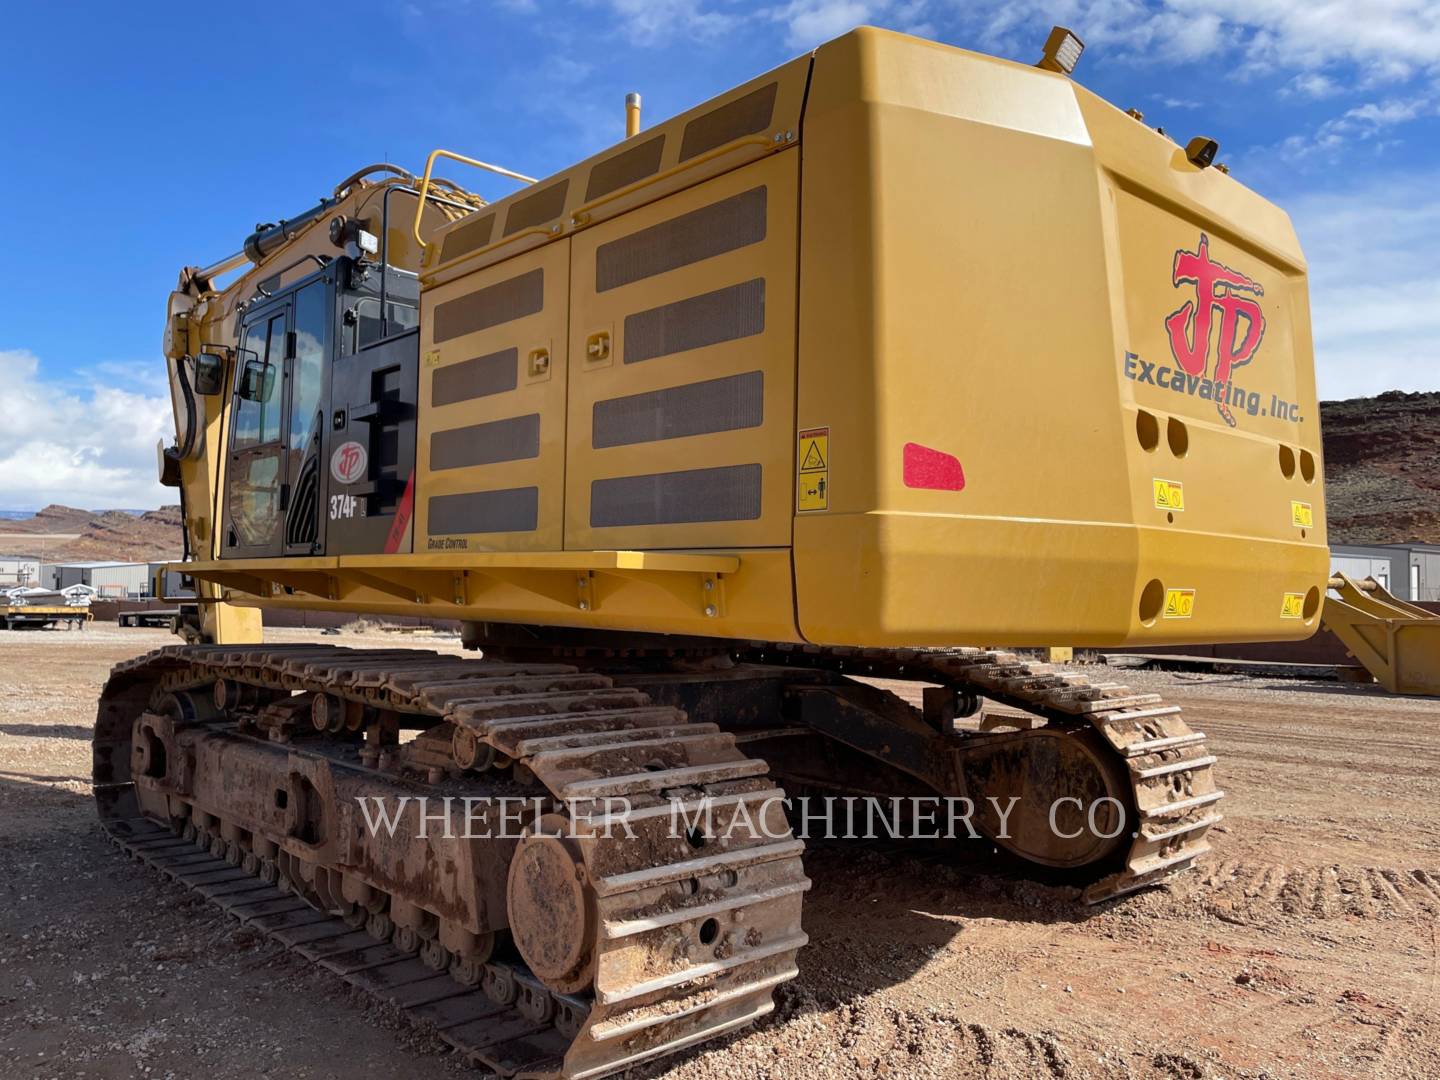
688 935
499 1037
1171 772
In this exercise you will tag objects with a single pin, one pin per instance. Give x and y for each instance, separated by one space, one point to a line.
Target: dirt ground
1305 945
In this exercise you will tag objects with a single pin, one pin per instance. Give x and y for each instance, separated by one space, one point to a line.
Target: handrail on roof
436 155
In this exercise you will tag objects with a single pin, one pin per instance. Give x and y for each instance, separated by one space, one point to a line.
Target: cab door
307 375
256 480
274 484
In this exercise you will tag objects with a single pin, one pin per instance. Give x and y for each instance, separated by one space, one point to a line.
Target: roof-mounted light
1062 51
1201 151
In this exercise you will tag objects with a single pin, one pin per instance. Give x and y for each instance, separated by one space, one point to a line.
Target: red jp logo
1218 290
349 462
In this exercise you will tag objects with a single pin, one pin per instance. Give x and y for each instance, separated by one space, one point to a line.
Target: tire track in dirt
1319 744
1327 892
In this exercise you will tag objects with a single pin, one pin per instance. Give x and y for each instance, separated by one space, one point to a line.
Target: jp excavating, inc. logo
349 462
1220 291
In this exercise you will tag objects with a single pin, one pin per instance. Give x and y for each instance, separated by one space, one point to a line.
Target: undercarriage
574 855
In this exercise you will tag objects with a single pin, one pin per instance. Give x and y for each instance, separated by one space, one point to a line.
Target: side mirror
257 380
209 373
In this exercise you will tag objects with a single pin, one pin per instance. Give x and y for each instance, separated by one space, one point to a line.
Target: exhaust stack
632 114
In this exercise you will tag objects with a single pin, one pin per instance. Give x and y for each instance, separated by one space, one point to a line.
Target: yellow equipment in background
1398 643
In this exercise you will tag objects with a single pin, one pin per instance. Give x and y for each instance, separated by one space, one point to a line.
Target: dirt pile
1382 468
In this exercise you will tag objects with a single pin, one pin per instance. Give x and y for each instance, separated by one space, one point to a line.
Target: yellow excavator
742 451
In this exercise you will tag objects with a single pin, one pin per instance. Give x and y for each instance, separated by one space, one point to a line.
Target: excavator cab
321 447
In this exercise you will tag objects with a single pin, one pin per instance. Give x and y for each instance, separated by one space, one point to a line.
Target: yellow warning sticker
813 456
1292 606
1179 603
1169 494
1301 515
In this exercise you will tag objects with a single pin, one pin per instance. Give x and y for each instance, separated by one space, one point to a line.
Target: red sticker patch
399 534
934 470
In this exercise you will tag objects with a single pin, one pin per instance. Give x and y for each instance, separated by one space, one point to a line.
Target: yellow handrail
436 155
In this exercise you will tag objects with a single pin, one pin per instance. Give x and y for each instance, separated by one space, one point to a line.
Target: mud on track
1306 945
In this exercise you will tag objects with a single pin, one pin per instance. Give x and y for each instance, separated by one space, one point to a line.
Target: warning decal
1301 515
1169 495
1179 603
1293 606
814 472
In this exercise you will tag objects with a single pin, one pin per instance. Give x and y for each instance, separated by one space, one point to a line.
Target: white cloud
1374 284
1369 124
1375 115
1312 84
812 22
1328 44
92 447
652 22
1384 39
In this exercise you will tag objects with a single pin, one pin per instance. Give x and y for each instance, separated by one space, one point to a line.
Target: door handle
384 411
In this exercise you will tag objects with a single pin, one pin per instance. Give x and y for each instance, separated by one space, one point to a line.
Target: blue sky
143 137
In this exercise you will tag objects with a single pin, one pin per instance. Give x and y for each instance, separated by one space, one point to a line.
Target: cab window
257 420
312 311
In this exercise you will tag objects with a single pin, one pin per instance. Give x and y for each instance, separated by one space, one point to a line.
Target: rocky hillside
100 534
1382 468
114 534
52 520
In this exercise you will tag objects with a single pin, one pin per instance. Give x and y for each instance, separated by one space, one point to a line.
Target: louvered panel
682 331
491 451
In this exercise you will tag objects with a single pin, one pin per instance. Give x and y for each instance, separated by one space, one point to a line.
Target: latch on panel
597 347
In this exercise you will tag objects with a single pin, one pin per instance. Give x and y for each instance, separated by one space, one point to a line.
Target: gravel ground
1305 945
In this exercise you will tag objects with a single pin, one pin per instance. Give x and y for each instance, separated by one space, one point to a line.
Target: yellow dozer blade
1397 642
